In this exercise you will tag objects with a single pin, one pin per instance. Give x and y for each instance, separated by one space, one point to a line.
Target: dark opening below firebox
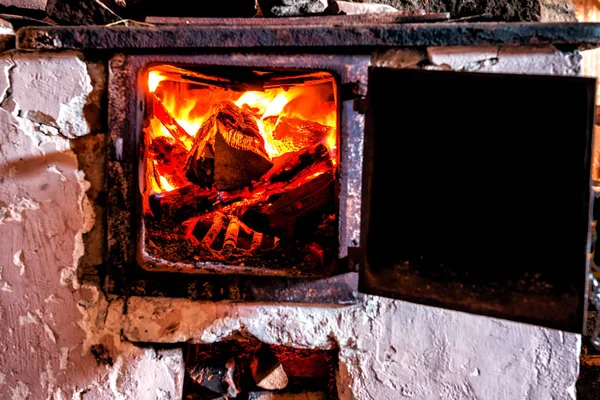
248 369
240 170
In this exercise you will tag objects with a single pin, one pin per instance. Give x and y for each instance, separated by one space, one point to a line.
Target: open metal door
476 193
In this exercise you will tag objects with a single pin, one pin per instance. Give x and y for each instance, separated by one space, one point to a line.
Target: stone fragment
81 12
349 8
292 8
558 11
505 10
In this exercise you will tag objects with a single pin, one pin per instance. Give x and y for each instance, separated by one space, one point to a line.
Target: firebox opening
240 170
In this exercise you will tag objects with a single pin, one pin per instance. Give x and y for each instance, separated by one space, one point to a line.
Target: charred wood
181 204
257 239
169 157
287 166
295 212
228 151
296 133
231 234
216 376
214 230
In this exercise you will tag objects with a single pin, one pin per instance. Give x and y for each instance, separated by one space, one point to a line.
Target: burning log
231 234
296 133
291 164
216 376
181 204
214 230
169 122
291 213
267 371
228 151
257 239
169 157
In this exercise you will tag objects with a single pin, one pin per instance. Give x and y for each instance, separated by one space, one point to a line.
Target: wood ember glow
240 167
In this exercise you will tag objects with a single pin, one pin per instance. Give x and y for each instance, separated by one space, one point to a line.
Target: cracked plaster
51 321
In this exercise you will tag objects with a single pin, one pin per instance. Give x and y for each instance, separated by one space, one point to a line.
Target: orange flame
190 104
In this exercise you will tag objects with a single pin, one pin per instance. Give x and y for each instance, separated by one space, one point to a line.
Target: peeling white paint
20 392
2 378
29 318
50 333
51 299
15 212
48 380
19 262
55 170
64 358
52 91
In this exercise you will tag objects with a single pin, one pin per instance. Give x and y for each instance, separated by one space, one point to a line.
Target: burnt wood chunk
169 157
267 371
81 12
296 134
228 151
291 164
216 376
295 212
181 204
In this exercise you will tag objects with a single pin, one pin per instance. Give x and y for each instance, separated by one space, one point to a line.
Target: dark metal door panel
476 193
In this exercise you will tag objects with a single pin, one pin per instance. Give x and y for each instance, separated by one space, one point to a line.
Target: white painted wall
49 323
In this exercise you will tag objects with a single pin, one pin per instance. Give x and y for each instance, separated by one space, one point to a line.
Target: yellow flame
166 186
154 79
182 111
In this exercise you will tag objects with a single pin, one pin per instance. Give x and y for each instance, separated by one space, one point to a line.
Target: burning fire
189 108
242 163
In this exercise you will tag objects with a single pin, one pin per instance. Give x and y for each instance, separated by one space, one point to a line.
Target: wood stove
464 197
